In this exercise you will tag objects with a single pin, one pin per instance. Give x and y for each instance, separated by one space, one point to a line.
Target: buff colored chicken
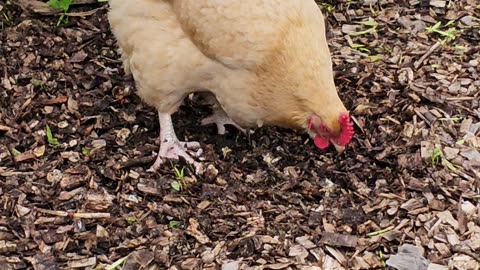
259 62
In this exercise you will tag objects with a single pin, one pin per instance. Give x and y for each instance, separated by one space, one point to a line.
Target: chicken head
339 134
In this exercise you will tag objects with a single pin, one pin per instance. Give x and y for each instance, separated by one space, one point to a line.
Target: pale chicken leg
219 116
220 119
170 146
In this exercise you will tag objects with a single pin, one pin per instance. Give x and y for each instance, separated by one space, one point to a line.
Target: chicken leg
170 146
220 118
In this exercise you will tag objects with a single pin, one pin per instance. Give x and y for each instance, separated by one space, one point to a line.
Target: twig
135 162
84 13
418 63
52 212
91 215
12 173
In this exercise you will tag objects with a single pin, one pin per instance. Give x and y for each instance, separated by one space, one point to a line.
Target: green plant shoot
436 156
62 4
50 139
173 224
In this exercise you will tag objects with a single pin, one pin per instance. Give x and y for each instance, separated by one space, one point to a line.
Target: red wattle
321 142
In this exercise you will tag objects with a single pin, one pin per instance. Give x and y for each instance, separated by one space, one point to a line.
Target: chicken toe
171 147
220 118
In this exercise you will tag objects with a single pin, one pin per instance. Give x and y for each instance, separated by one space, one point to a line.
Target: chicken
259 62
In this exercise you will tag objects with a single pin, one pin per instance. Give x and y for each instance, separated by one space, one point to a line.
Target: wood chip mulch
75 144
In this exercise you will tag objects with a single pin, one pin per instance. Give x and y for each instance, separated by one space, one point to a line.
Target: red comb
347 130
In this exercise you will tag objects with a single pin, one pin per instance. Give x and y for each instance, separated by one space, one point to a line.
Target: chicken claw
220 118
171 147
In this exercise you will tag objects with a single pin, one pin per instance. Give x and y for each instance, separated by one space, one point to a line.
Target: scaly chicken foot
220 118
171 147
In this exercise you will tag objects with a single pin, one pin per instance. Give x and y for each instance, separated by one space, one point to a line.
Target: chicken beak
339 148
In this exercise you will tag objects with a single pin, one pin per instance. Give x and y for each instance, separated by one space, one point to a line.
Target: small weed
457 120
61 4
179 173
65 5
85 151
446 35
177 186
350 3
372 28
37 83
180 183
173 223
436 156
375 58
63 19
50 139
372 9
16 152
5 15
6 18
379 232
327 8
116 264
360 48
382 258
477 197
451 166
131 220
370 23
